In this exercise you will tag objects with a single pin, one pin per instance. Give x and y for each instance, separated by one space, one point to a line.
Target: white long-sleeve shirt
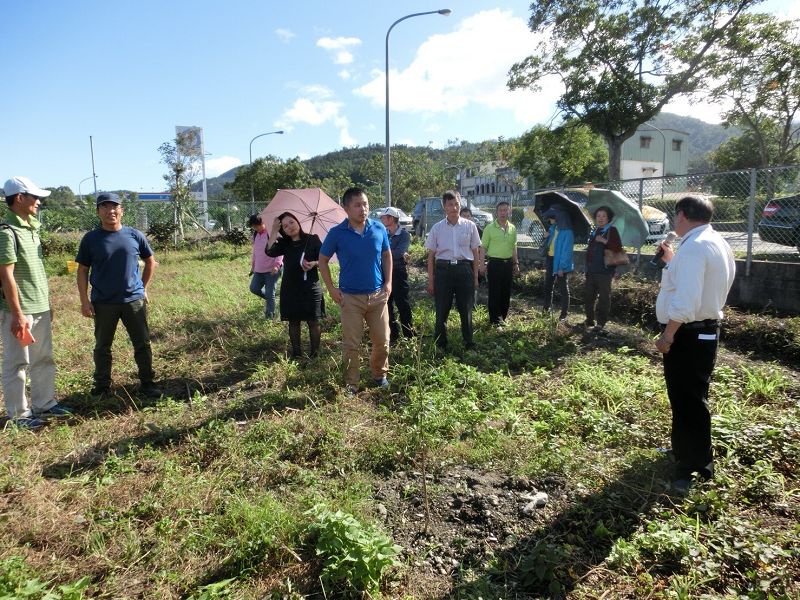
696 282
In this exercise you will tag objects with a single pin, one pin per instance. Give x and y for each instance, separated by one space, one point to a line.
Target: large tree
414 174
566 155
757 71
621 61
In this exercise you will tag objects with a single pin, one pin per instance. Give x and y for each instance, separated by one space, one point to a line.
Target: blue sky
127 72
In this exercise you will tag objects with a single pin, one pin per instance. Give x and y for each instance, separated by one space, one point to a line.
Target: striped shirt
26 256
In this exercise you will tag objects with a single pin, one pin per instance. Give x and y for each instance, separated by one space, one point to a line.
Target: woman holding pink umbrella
301 293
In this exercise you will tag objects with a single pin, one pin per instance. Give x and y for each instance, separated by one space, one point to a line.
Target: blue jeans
263 286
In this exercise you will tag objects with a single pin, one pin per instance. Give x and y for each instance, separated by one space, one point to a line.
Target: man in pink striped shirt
264 269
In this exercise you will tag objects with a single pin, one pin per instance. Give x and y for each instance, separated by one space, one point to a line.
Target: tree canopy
757 69
566 155
267 175
622 61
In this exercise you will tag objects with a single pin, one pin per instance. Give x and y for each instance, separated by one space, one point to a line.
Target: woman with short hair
604 237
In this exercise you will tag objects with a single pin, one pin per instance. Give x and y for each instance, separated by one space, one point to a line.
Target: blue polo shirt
359 255
113 261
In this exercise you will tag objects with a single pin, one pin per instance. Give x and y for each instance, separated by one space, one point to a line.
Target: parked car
426 212
657 224
405 220
531 226
482 217
780 221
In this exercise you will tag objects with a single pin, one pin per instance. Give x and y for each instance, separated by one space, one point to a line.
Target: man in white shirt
694 286
452 247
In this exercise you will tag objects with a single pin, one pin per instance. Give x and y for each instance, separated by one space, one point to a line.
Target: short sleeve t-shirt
113 260
20 245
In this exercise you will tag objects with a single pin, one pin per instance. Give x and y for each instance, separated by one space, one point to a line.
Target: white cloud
340 48
221 164
468 66
344 74
285 35
316 108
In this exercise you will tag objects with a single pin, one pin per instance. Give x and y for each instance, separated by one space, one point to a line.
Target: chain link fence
222 215
756 210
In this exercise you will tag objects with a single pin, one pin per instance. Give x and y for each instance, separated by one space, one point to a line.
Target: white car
405 220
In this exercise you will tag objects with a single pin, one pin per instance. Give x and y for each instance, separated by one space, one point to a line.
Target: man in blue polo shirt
111 252
365 283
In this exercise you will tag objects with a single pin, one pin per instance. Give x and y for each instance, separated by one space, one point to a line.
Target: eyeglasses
110 206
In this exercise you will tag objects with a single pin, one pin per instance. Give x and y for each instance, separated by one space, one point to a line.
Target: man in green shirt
25 311
499 243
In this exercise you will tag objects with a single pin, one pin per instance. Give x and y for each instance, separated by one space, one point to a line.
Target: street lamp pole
87 179
387 151
252 191
663 156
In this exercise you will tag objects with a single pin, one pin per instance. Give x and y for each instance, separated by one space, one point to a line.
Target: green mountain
703 138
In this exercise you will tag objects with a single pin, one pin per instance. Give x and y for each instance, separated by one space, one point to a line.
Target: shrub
237 237
355 555
162 232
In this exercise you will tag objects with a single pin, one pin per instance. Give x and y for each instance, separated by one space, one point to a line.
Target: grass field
257 477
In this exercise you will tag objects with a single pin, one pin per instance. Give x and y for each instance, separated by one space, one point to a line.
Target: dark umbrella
580 222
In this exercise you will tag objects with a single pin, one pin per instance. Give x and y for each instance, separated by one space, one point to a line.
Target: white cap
391 211
23 185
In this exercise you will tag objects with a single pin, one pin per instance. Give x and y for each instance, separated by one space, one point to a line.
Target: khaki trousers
357 309
35 360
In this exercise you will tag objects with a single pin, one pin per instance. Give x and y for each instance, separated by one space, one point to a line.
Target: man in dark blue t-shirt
108 257
365 283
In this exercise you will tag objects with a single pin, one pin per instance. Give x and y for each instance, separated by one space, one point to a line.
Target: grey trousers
134 318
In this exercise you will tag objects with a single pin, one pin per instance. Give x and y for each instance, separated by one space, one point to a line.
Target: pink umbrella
315 210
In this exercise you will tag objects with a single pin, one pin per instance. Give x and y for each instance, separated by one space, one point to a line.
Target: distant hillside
703 138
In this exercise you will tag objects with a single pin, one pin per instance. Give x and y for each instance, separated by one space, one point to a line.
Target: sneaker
27 423
150 390
55 412
383 382
682 486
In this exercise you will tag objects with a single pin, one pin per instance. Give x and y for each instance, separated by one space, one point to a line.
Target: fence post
641 203
751 217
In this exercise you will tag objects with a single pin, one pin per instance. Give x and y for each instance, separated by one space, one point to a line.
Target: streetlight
81 182
663 156
252 192
387 151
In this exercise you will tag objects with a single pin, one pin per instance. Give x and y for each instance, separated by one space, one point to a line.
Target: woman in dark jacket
301 293
598 276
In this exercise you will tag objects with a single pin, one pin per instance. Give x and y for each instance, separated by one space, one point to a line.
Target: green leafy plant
355 555
18 581
162 232
236 237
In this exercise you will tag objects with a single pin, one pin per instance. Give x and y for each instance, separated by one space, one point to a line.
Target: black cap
108 197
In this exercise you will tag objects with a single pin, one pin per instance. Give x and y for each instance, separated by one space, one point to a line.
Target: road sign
155 197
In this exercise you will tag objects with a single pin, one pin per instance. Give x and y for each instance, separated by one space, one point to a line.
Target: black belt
707 324
504 260
442 262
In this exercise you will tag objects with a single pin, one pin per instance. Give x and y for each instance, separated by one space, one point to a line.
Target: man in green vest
25 311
